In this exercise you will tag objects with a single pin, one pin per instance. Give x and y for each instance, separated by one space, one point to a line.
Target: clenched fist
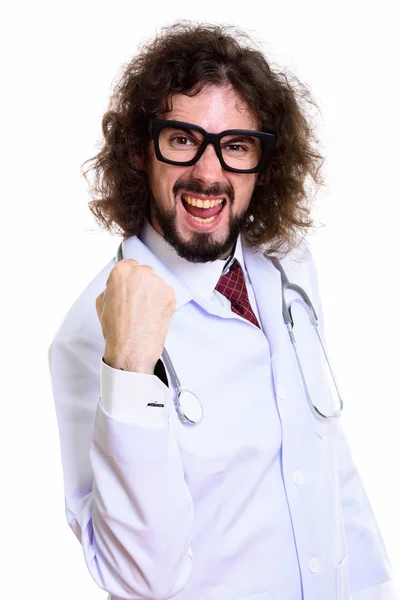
135 311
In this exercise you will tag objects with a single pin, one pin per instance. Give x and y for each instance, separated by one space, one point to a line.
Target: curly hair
184 58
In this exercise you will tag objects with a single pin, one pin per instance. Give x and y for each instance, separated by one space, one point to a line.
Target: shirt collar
200 278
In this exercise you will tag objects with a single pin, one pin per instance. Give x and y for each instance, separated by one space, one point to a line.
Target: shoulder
298 262
299 266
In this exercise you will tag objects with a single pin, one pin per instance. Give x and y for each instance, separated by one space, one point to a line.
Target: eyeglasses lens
238 151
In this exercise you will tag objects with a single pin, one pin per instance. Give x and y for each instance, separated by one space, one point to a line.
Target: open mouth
203 210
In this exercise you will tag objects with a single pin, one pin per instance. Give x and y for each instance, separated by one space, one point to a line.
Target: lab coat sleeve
369 567
125 494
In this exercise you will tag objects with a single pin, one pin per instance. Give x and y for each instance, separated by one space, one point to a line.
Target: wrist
127 363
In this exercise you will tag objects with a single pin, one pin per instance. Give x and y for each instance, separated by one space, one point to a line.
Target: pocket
343 580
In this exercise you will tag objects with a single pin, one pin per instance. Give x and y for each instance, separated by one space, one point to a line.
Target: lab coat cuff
133 397
131 443
383 591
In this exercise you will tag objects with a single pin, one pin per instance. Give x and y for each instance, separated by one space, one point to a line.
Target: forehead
215 108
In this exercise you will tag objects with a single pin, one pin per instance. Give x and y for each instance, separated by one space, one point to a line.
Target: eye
235 148
181 140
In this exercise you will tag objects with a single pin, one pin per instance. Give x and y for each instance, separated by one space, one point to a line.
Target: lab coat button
298 477
314 565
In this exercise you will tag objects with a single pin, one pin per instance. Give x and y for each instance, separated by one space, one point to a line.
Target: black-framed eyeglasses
238 150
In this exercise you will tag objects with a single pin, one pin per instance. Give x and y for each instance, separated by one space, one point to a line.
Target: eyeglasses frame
267 143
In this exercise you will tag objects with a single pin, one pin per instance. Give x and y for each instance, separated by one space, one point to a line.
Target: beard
201 247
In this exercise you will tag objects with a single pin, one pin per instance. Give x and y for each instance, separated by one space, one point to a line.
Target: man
249 494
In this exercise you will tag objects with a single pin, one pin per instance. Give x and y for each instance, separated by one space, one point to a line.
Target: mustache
193 186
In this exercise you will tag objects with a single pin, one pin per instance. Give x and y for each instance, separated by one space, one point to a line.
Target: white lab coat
148 503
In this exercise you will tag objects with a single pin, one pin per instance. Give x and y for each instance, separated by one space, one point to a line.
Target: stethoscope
187 404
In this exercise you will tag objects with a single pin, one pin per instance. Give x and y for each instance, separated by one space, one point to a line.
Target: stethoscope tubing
289 322
188 406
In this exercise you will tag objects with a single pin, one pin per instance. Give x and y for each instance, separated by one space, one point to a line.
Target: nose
208 169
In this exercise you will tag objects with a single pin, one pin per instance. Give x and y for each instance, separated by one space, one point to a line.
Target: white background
59 61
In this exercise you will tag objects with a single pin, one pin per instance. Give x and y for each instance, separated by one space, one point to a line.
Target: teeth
201 203
200 220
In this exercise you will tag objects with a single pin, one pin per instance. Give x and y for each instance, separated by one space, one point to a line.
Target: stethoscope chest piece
189 407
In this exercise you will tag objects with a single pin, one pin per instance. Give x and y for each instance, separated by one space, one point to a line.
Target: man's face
216 109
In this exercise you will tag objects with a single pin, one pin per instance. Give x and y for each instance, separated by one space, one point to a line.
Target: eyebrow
237 136
185 129
240 138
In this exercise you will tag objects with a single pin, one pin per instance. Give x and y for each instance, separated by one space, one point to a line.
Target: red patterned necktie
233 286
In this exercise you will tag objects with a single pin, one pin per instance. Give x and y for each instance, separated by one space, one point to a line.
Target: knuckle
124 268
146 268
